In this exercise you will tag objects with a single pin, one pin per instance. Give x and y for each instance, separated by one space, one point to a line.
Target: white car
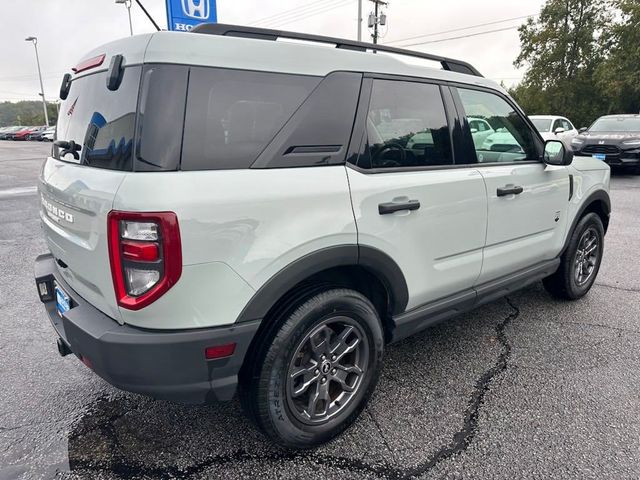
286 212
47 135
480 130
553 127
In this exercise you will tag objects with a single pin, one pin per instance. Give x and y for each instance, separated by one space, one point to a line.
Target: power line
461 36
463 28
310 13
283 13
294 14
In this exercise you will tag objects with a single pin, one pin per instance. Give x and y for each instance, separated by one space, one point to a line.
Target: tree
618 76
561 49
28 113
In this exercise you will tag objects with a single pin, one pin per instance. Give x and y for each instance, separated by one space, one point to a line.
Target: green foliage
582 59
28 113
618 76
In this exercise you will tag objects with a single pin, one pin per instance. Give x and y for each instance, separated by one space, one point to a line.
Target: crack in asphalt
615 287
461 440
596 325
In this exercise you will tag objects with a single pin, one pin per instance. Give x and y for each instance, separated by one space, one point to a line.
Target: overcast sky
66 29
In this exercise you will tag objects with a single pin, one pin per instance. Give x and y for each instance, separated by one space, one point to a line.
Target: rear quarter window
232 115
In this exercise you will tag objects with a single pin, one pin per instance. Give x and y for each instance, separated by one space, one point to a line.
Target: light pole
34 40
127 3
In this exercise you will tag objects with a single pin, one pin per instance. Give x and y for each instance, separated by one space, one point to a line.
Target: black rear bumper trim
167 365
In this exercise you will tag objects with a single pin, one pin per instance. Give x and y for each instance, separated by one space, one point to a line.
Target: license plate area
63 301
600 156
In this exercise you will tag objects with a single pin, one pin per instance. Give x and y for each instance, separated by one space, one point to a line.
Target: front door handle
390 207
509 190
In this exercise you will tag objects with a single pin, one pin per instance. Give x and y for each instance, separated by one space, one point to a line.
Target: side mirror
555 153
474 130
582 130
559 130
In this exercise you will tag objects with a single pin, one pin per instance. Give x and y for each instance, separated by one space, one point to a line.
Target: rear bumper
168 365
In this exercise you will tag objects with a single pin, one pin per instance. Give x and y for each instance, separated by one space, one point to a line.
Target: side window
557 124
566 125
510 140
406 126
161 111
232 115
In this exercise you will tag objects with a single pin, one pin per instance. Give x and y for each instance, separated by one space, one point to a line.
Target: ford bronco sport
228 212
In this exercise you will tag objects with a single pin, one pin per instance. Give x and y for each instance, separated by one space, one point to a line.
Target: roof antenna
147 14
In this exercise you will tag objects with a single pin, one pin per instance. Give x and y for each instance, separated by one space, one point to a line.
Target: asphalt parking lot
526 387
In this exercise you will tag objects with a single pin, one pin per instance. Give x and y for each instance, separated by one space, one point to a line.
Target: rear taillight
145 254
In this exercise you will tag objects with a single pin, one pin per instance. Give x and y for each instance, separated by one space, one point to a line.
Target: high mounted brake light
88 64
145 254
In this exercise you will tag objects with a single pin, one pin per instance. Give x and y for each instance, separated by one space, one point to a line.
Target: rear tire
580 262
315 369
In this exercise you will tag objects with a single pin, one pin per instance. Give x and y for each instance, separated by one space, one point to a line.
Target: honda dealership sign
183 15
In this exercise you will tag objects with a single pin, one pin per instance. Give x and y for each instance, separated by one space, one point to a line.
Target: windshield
100 121
542 124
616 124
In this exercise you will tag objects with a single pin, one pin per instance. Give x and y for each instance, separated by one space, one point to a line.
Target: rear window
232 115
101 121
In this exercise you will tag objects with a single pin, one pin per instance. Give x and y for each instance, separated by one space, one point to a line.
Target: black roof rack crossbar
268 34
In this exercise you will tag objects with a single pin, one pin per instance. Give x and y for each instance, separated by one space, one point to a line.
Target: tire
572 281
295 352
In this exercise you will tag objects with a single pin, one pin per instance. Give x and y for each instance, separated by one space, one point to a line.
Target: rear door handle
390 207
509 191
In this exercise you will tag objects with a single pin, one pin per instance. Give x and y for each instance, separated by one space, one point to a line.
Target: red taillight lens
219 351
145 251
89 63
145 254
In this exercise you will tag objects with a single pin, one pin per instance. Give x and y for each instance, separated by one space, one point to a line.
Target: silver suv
228 212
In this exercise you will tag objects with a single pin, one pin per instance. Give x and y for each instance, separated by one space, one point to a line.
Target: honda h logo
196 9
601 142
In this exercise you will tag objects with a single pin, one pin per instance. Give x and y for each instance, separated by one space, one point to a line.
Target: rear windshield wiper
68 147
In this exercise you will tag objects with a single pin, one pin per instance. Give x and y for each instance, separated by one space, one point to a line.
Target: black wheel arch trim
599 195
376 261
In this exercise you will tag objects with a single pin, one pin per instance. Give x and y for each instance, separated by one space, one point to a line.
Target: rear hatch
77 190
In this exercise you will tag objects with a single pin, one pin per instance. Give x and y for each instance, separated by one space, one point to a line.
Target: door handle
390 207
502 191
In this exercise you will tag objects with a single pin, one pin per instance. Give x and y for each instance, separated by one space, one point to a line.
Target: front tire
580 263
311 379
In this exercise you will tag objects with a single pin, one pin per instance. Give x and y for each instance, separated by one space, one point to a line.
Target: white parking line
14 192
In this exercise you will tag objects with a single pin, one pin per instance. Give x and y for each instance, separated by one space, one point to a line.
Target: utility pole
34 40
377 18
359 20
127 3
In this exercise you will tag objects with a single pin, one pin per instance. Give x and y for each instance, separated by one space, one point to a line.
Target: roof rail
268 34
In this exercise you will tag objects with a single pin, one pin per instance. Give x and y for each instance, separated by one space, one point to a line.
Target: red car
22 134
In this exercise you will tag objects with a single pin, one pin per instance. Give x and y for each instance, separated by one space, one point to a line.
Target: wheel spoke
341 347
309 377
324 345
321 394
341 378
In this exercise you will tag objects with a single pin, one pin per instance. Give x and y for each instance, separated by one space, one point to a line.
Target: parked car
480 130
47 135
614 139
554 127
6 134
277 226
22 134
36 133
